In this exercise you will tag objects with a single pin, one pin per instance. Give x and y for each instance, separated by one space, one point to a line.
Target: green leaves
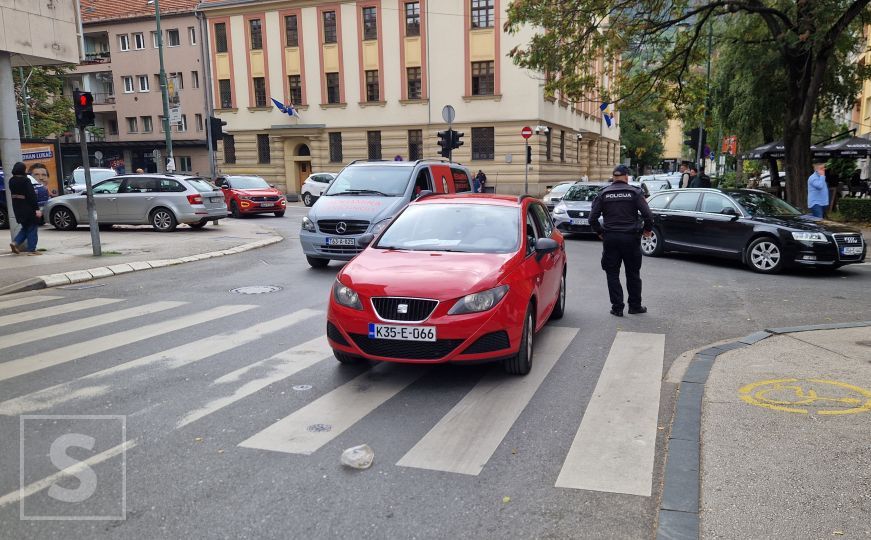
50 113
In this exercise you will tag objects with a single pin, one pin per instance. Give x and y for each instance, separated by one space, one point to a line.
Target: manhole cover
319 428
302 387
256 289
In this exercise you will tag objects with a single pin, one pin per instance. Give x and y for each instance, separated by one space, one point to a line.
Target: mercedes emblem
341 227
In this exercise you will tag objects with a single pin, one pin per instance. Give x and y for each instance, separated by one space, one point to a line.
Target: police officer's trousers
622 248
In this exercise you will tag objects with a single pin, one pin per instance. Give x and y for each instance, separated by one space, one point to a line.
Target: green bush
855 209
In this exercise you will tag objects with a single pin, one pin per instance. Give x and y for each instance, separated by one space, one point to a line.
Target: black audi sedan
762 231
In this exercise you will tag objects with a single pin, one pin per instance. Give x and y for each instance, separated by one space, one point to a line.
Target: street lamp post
707 104
163 85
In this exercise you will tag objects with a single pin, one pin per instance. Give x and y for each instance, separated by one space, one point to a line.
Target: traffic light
693 141
83 102
216 129
445 142
456 139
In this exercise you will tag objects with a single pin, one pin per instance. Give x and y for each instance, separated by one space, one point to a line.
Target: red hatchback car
453 278
251 195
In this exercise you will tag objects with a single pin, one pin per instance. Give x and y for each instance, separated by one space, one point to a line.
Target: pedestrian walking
25 207
684 176
818 191
620 204
479 182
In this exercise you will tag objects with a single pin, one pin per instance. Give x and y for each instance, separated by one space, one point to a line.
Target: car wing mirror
730 212
543 246
364 240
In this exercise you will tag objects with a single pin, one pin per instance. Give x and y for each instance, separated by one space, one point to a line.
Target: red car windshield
248 182
467 228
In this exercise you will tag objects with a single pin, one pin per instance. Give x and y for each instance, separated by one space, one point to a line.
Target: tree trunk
798 164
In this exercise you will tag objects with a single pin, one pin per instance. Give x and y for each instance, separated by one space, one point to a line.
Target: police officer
620 205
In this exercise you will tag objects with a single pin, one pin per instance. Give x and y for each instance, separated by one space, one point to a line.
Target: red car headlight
346 296
480 301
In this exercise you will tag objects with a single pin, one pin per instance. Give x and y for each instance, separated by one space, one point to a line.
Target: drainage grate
319 428
256 289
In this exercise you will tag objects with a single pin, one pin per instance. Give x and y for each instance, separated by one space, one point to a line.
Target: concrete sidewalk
67 255
771 438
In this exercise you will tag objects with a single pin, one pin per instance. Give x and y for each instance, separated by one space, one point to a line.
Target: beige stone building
121 68
369 79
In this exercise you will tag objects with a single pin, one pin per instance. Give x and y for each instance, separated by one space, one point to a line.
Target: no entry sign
526 132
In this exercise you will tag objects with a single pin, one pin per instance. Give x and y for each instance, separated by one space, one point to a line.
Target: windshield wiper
370 191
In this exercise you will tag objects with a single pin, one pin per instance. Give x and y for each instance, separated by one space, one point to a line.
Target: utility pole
94 227
163 86
10 144
699 153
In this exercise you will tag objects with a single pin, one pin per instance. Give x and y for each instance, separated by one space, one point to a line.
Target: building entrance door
303 170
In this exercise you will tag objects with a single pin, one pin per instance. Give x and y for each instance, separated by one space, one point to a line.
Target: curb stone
79 276
678 516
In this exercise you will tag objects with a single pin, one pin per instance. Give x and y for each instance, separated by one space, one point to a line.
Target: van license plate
341 241
402 333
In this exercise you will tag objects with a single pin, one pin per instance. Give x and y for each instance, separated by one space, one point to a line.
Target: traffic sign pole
89 192
526 133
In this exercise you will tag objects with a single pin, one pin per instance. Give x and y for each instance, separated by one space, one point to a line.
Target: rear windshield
378 181
202 185
467 228
248 182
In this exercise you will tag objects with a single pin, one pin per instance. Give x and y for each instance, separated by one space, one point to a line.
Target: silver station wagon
160 200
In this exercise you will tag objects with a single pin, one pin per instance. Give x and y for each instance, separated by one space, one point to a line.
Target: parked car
161 200
453 278
572 213
315 185
758 229
765 178
247 195
556 193
364 197
76 182
656 184
42 197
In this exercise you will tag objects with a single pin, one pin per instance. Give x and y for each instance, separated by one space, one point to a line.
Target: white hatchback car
315 185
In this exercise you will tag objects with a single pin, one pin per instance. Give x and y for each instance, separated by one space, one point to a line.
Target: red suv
251 195
453 278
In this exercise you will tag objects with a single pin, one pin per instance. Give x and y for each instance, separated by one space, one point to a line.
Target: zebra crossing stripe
613 450
27 301
169 359
465 438
91 347
36 334
279 367
324 419
56 310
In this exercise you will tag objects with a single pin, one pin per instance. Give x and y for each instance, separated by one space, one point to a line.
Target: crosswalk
612 450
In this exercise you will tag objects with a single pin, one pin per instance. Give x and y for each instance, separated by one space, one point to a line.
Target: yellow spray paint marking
806 396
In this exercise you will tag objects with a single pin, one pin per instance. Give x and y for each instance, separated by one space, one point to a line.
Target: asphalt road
192 478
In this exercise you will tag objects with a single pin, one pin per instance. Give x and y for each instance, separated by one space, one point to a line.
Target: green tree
804 33
50 112
642 131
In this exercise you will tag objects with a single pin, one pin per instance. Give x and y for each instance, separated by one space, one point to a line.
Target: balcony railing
103 98
97 58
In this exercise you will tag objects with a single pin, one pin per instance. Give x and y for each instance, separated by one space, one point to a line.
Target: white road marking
85 349
168 359
27 301
279 367
78 325
324 419
56 310
465 438
613 449
39 485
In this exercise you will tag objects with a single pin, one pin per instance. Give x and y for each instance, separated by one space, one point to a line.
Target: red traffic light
83 100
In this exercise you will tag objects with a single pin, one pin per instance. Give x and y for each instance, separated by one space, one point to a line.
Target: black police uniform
620 205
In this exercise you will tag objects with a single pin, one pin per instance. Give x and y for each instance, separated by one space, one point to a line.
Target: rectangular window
143 83
221 37
482 143
412 18
147 126
415 144
414 86
372 93
226 94
195 79
157 81
162 124
482 78
562 145
192 35
373 142
128 84
335 147
173 38
295 84
138 41
256 34
291 31
113 127
198 118
370 23
132 125
183 126
482 13
329 26
333 88
264 156
179 79
124 42
229 149
548 150
184 163
154 40
259 84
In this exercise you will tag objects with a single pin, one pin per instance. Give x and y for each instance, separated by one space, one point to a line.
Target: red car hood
424 274
257 192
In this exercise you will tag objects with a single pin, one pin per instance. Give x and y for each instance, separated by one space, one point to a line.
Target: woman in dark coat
26 210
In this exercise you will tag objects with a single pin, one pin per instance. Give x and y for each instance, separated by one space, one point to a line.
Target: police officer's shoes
617 312
637 310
